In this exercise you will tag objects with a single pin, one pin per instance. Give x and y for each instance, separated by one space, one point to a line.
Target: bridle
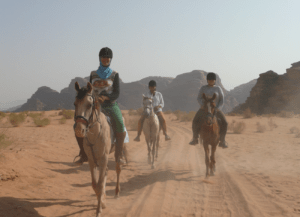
149 107
85 121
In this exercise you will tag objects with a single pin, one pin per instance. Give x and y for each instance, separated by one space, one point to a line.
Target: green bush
16 119
62 120
41 122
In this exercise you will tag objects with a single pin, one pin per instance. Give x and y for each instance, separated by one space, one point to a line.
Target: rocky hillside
274 93
179 93
242 92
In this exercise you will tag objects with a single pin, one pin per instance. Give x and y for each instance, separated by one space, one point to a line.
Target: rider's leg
140 127
83 158
223 128
114 112
163 123
196 127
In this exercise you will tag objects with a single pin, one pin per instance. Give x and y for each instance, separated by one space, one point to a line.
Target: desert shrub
297 135
232 114
2 115
294 130
179 114
272 124
35 115
4 141
231 125
131 112
248 114
168 112
62 120
260 128
238 127
132 122
188 116
139 111
68 114
41 122
286 114
16 119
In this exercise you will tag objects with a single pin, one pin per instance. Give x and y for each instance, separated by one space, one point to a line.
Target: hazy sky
48 43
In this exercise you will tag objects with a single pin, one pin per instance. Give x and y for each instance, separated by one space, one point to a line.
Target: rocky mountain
274 93
179 93
242 92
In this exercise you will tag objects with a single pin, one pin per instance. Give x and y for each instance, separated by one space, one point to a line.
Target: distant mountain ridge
242 92
179 93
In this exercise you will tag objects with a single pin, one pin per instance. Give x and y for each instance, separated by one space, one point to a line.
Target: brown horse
209 133
92 125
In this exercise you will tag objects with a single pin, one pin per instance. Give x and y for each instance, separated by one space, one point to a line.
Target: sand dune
258 175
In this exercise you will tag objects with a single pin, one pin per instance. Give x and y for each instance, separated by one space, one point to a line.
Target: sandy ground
258 175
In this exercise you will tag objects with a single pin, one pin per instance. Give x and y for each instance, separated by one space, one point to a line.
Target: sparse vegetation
248 114
2 115
62 120
260 128
35 115
187 116
294 130
272 124
179 114
68 114
4 140
16 119
168 112
286 114
41 122
237 127
131 122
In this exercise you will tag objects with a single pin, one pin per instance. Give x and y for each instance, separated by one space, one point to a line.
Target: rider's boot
119 147
223 131
140 127
196 129
83 158
223 144
164 127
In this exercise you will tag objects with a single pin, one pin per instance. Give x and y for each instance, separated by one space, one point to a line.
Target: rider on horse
158 104
209 90
105 76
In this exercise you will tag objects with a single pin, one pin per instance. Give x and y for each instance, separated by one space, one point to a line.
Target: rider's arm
161 101
116 89
221 99
200 97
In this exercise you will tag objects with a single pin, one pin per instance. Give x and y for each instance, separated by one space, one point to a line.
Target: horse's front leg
118 188
212 160
206 150
153 152
149 150
101 184
157 145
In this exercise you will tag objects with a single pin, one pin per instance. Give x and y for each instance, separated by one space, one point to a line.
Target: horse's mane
81 93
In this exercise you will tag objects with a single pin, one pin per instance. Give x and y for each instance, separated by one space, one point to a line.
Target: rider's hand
103 98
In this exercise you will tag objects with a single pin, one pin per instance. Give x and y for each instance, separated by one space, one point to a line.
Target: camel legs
118 187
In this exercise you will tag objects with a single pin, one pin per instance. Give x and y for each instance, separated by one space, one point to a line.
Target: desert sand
258 175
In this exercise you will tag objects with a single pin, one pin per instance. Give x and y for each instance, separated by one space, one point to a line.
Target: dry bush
286 114
63 120
232 114
231 125
4 140
131 122
272 124
188 116
16 119
139 111
41 122
179 114
68 114
238 127
297 135
2 115
248 114
294 130
35 115
260 128
168 112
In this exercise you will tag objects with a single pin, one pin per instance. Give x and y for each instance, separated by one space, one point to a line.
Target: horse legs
149 150
153 152
206 150
212 160
100 187
118 188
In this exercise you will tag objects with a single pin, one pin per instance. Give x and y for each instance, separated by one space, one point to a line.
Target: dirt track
258 175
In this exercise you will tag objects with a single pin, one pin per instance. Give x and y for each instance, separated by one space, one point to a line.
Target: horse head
209 106
148 107
85 104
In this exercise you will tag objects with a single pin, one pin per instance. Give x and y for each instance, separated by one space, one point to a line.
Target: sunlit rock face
274 93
